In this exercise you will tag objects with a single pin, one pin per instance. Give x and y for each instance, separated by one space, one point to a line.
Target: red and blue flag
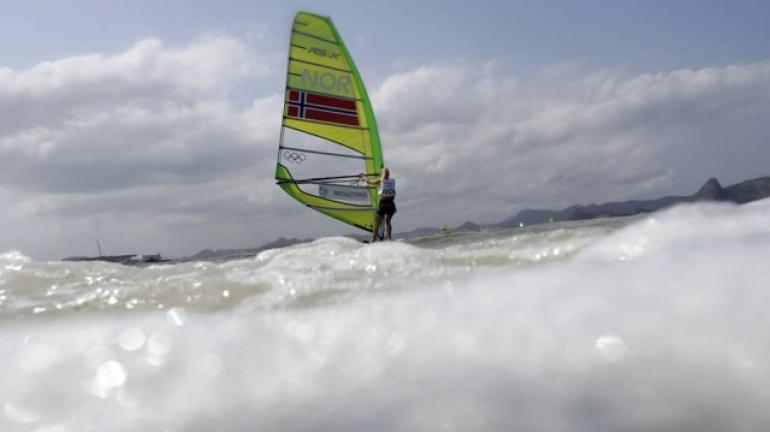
313 106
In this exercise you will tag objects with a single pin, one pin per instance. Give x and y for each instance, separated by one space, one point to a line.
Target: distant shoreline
740 193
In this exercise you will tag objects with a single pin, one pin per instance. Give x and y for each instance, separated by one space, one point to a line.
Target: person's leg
376 228
388 226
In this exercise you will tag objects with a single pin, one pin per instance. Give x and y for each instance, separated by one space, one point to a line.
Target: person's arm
374 182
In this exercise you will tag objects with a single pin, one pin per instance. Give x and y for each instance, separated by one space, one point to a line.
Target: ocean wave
655 324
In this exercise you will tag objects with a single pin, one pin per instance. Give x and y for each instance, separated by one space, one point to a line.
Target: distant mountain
467 226
750 190
747 191
710 191
424 231
209 254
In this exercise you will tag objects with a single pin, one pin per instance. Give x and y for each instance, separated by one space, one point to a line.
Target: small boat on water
130 259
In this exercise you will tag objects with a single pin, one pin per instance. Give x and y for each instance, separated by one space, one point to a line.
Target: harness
388 188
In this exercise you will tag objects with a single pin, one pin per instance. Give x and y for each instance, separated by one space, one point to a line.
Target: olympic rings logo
295 157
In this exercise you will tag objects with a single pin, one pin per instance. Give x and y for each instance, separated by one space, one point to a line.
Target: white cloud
149 115
136 140
212 62
471 136
150 140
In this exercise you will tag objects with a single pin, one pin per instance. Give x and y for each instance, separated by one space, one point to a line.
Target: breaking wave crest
650 323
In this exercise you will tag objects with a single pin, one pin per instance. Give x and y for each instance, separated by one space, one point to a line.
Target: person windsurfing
387 204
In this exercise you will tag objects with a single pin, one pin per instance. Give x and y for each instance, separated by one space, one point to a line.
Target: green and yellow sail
328 134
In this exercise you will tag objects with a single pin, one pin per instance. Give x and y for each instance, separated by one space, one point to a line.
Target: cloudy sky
153 126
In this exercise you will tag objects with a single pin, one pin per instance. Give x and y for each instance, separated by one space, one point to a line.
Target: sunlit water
653 323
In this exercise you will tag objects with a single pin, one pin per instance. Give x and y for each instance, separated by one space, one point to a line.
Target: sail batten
314 37
342 209
328 132
354 99
322 123
325 153
320 65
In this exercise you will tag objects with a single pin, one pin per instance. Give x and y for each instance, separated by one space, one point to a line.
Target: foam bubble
160 343
131 339
110 375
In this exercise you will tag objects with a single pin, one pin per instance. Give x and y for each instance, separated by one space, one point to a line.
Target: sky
153 126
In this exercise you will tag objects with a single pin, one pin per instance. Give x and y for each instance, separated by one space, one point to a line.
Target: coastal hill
712 190
749 190
213 255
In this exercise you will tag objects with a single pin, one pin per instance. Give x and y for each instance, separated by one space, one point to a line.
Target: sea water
656 322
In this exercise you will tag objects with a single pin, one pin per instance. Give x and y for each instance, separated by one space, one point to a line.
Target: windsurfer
387 205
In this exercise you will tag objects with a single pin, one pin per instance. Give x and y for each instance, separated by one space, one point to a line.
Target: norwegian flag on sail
313 106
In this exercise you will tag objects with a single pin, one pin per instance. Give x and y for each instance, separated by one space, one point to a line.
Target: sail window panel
357 215
324 168
298 139
352 138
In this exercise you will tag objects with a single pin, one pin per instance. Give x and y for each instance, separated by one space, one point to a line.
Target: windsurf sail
328 133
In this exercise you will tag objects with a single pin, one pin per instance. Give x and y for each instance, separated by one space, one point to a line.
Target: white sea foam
656 324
